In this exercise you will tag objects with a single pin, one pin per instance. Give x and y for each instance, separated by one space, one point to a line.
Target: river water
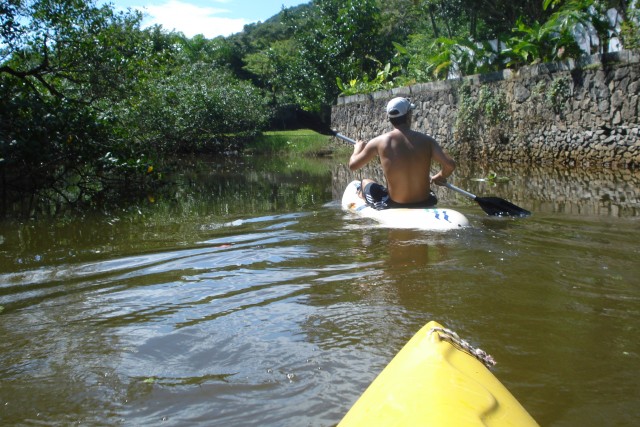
247 297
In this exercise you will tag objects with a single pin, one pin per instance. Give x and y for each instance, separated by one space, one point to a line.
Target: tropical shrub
535 43
382 80
197 107
576 15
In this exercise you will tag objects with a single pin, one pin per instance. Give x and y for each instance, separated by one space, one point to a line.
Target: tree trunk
433 21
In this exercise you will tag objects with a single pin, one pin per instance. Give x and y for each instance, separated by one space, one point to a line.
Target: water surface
248 298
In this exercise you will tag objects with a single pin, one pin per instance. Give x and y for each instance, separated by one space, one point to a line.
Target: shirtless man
406 157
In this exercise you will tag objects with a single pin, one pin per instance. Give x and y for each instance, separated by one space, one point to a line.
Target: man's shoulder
420 138
394 134
422 135
384 138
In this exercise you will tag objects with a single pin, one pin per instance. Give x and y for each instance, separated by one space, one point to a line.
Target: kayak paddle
342 137
314 123
493 206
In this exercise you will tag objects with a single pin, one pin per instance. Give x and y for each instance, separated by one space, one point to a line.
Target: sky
211 18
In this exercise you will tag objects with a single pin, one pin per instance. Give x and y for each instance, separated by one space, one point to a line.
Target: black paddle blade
496 206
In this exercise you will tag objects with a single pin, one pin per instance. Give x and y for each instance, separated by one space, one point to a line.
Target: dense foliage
328 47
91 102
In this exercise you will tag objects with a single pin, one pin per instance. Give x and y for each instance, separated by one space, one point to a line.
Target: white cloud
191 19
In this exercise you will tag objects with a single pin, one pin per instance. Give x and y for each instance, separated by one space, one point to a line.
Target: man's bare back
405 156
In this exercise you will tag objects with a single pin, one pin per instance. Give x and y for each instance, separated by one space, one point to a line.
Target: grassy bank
300 141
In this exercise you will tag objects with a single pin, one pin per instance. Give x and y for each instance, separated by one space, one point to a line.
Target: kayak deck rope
453 338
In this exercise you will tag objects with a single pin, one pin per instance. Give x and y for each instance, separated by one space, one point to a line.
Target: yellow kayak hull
431 382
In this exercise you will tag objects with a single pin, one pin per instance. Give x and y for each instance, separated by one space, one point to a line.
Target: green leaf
401 49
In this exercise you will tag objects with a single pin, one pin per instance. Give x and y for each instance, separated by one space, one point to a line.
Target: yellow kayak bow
437 379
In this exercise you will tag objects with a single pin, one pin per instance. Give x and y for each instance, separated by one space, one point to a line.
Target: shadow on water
245 296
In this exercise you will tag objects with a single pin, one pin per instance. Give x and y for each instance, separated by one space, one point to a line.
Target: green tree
494 19
59 61
195 108
274 68
89 101
336 38
69 48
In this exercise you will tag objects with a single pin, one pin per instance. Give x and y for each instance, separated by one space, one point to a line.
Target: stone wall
574 113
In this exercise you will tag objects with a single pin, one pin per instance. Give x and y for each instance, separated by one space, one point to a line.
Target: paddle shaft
461 191
344 138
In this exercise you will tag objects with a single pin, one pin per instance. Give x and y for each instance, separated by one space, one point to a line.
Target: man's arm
447 164
363 153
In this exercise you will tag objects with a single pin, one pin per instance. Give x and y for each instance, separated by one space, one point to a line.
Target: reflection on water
247 297
598 192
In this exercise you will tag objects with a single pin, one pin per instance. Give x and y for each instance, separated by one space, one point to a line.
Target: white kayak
437 219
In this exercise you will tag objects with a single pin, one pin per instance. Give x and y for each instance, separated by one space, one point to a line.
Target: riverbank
292 142
158 178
